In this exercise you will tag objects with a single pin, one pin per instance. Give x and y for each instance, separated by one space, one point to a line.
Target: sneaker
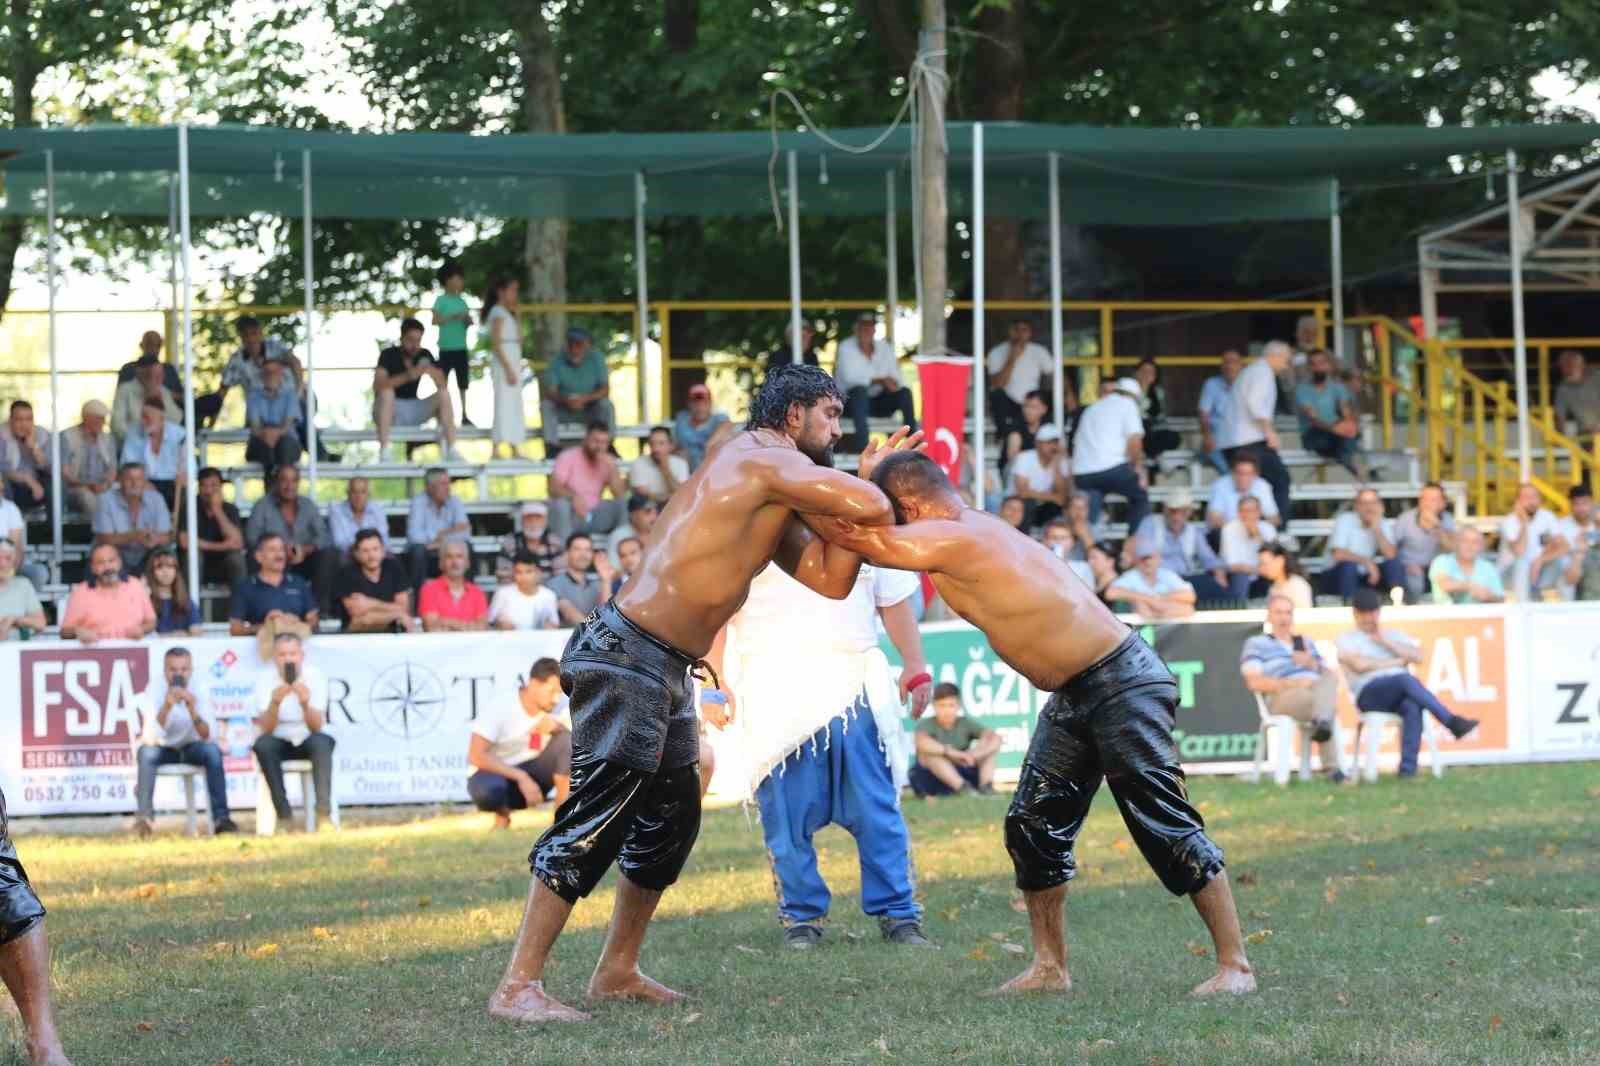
904 931
986 790
1339 777
1460 726
1322 731
802 936
227 825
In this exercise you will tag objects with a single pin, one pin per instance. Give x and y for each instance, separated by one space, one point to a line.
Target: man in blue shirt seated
1285 669
270 411
158 444
1327 411
273 596
1464 575
1150 588
1184 547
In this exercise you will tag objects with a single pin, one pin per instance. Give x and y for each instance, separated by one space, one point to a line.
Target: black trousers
272 752
859 405
1271 466
495 792
20 909
1113 722
271 456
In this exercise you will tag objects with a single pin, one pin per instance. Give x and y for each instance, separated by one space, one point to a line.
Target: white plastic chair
1369 738
189 775
267 814
1287 729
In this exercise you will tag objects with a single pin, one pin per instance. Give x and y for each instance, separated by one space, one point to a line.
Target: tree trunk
1002 74
680 24
24 75
544 254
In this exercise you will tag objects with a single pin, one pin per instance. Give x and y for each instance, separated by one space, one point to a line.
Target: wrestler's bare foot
1039 977
527 1002
631 984
502 819
55 1055
1228 981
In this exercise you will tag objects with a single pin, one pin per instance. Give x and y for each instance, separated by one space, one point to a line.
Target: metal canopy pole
1428 276
311 324
191 508
1058 386
641 291
892 241
1336 240
979 377
1519 335
55 380
171 317
794 257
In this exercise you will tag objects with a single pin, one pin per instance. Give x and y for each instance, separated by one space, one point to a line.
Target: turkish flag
944 410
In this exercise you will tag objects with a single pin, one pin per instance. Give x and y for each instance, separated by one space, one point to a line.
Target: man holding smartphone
291 700
1285 668
177 729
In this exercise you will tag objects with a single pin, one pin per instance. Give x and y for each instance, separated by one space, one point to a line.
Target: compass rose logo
407 701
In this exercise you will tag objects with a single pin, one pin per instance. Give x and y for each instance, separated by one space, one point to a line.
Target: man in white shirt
1362 549
1242 539
1040 477
1531 546
177 729
525 603
291 702
15 530
522 750
356 512
1108 451
642 515
1215 400
657 473
1249 429
1581 531
1016 368
1150 588
869 376
1226 492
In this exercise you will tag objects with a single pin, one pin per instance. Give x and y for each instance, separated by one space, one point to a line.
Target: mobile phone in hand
1299 643
290 672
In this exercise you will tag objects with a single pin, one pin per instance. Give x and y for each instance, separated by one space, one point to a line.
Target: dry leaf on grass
998 938
1330 894
1341 999
424 901
1013 949
1197 949
143 1027
747 950
1550 851
265 951
980 953
1245 877
692 1018
321 933
147 890
1121 844
1258 937
851 934
1433 919
1494 1024
882 1044
1019 905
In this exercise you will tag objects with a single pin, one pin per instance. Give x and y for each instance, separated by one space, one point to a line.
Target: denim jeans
859 405
1341 450
1122 480
1342 579
200 753
1404 695
1272 469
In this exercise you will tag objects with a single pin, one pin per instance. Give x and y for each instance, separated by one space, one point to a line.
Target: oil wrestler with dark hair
25 954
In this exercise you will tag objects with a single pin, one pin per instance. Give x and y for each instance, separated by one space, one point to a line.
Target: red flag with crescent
944 419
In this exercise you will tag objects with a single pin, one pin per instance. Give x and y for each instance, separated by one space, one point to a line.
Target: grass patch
1451 921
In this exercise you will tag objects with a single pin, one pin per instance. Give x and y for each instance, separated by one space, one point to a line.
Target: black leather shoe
802 936
904 931
1460 726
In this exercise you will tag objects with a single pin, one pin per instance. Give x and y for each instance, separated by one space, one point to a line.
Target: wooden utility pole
933 159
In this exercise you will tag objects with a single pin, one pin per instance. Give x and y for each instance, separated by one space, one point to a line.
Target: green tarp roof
1126 176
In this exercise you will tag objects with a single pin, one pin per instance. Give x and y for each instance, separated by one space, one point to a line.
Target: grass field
1451 921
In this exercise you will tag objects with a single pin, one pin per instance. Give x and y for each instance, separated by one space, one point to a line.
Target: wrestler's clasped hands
902 439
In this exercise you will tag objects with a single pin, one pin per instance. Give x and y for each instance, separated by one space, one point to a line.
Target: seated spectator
1286 670
1377 666
14 531
372 594
630 553
295 518
868 374
1280 569
451 603
356 512
1014 513
1581 531
534 537
1215 400
169 594
579 589
1041 478
783 355
157 445
151 343
88 460
452 318
107 606
1023 432
576 390
1362 549
1184 548
246 367
990 500
25 458
1421 535
1327 409
1108 451
657 473
272 598
177 724
1084 532
219 531
272 412
1240 549
1577 399
1158 437
1017 368
1223 504
437 517
1530 546
401 369
1101 562
1464 575
1249 428
642 515
522 752
525 603
693 426
291 703
1057 536
1151 589
578 482
134 519
21 613
127 405
954 752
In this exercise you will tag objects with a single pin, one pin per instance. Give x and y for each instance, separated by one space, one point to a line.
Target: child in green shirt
451 316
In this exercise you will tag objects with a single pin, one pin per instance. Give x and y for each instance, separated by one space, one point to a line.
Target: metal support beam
55 379
1057 340
1518 329
794 256
979 377
190 489
892 253
309 281
641 285
1336 242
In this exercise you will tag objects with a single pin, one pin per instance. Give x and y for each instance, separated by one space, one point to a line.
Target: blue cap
578 333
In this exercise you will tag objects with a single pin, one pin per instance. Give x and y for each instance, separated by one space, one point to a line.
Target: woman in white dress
505 365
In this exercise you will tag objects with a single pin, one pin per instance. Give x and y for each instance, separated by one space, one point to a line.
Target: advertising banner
1563 710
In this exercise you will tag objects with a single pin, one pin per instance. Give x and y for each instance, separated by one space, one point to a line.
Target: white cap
1048 431
1131 387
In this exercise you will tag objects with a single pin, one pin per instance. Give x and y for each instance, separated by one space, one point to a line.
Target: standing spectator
1184 548
296 519
578 481
21 613
1216 399
146 386
1226 492
1017 368
219 529
88 460
1108 452
534 537
1377 666
1286 670
505 369
245 369
291 702
1327 410
451 318
1464 575
157 445
437 518
133 519
177 726
107 606
1421 535
151 343
25 458
869 376
1280 569
1242 540
693 426
525 603
630 553
372 593
1041 478
783 355
1530 545
169 594
271 411
401 369
1577 398
955 752
1014 513
272 598
451 602
1023 431
577 389
578 589
642 515
521 753
1150 588
1362 549
356 512
14 531
659 471
1158 437
1249 430
1581 531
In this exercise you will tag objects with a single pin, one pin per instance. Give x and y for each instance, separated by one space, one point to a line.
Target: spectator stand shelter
1115 176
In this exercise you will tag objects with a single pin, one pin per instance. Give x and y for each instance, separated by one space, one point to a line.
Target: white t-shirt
782 614
291 716
1239 548
179 729
509 730
10 520
1225 497
854 368
525 612
1543 525
1166 582
1351 535
1103 433
644 476
1033 473
1254 398
1032 367
1578 538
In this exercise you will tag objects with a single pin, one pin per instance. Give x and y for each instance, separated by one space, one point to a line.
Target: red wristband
916 680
